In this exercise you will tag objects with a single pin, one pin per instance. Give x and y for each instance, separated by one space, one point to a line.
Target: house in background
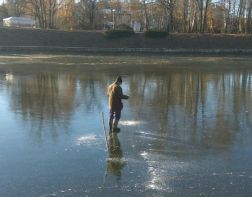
23 22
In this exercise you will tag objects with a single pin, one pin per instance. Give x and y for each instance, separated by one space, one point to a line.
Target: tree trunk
146 16
185 16
249 19
205 16
201 15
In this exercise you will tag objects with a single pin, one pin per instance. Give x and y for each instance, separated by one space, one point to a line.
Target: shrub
118 33
124 27
156 34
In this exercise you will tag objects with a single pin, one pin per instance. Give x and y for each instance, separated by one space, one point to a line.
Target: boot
115 128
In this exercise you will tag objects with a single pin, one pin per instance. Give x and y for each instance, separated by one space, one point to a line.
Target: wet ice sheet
87 139
131 122
183 131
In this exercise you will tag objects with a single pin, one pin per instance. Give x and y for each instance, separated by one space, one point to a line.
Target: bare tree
45 11
86 13
15 7
169 7
248 22
186 8
241 16
146 18
226 6
203 9
3 12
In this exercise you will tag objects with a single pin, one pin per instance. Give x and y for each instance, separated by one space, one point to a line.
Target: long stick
107 145
104 129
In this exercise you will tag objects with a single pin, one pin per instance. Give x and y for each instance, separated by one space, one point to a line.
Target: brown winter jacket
115 96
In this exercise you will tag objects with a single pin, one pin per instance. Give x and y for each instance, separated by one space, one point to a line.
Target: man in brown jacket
115 104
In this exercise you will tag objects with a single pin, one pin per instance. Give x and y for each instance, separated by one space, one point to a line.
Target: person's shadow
115 162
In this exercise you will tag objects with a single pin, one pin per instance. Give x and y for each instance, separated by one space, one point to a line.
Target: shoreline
31 41
121 51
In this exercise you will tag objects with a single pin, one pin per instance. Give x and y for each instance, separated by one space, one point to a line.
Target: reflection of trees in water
192 105
92 91
233 92
46 100
195 105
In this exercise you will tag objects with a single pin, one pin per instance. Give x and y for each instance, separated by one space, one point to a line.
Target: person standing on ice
115 95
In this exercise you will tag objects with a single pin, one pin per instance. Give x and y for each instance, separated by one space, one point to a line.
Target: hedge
155 34
118 33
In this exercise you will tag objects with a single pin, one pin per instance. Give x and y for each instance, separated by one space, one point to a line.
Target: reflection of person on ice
115 104
115 162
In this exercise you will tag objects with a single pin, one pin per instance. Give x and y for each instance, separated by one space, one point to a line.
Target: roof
18 19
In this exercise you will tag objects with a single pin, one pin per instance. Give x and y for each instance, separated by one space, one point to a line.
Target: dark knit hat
119 79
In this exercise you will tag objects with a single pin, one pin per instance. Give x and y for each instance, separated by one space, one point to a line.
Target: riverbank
137 51
35 40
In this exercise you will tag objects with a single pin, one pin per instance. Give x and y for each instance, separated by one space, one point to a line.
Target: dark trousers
114 114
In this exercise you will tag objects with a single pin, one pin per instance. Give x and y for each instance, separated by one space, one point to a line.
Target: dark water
185 131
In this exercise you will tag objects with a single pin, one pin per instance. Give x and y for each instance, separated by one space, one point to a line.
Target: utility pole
113 19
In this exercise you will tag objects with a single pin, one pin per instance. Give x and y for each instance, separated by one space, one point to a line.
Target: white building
137 26
19 22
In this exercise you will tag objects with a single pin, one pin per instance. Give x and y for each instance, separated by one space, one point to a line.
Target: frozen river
185 131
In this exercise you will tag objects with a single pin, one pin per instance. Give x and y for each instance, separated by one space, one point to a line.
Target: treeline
183 16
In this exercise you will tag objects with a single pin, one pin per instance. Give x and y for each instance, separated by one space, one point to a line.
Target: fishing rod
107 145
104 129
